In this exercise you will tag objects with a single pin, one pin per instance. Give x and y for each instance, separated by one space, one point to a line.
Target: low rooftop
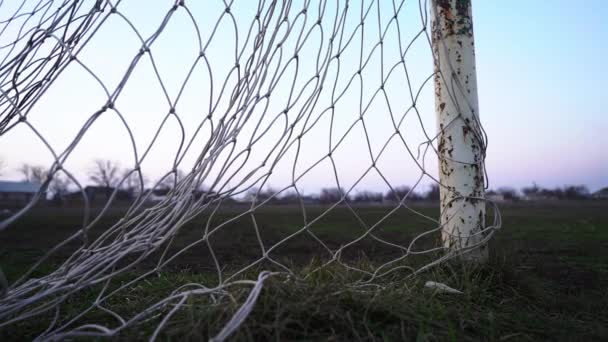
20 187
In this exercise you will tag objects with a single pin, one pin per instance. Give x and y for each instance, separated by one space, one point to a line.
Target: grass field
546 280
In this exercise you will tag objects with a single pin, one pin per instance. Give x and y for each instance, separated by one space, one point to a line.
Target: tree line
109 175
535 192
335 194
103 174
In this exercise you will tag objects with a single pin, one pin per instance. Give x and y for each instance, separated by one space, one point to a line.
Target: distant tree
289 197
600 194
555 193
433 193
170 181
251 194
261 195
167 183
572 192
133 184
269 193
368 197
104 173
331 195
33 173
509 194
398 193
537 192
576 192
531 190
59 187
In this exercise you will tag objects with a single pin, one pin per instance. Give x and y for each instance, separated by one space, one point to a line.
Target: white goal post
461 145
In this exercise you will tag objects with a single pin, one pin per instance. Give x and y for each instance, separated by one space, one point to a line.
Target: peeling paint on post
460 144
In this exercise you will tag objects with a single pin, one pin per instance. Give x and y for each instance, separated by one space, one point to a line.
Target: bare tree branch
33 173
104 173
134 183
171 181
60 186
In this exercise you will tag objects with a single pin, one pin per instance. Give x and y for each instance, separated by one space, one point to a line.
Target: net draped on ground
291 69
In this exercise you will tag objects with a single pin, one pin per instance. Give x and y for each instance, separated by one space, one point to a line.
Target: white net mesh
239 111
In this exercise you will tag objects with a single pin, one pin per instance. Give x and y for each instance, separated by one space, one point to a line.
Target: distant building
161 194
310 200
103 193
158 195
17 194
495 196
537 196
98 195
600 194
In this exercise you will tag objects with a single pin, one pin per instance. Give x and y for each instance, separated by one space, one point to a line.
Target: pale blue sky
540 75
542 84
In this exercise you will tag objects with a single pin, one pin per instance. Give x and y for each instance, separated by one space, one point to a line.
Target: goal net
237 140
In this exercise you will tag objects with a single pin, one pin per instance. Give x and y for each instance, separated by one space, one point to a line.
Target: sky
541 85
540 81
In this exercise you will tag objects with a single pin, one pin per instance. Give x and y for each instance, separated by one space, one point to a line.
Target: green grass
546 280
